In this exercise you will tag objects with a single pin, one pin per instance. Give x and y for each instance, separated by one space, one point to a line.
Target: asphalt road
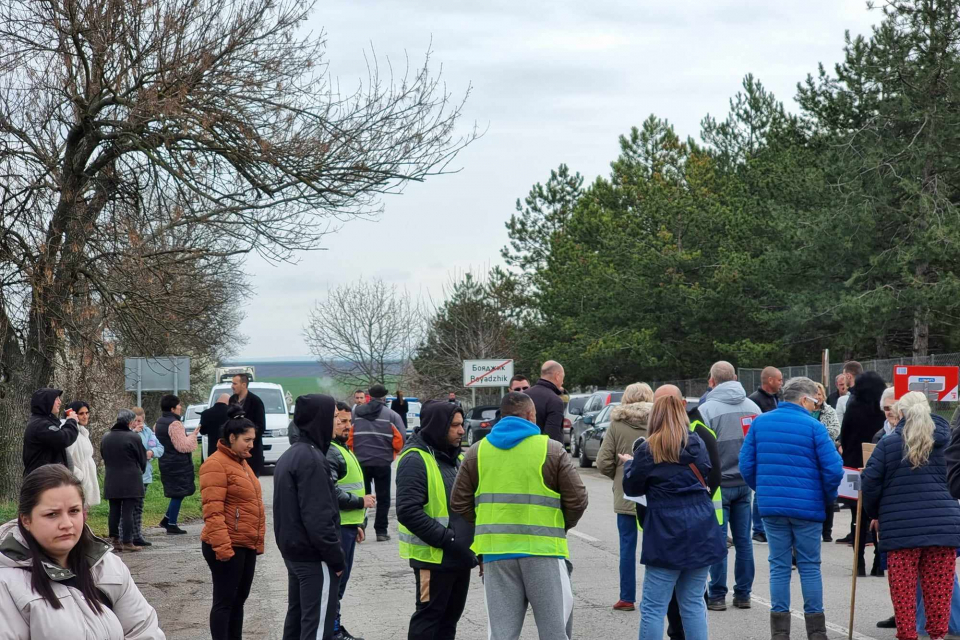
380 596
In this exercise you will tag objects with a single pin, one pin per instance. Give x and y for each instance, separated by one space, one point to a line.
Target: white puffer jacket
26 616
84 467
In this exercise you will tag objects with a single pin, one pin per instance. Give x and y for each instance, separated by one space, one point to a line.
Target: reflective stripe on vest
412 547
352 483
717 499
516 511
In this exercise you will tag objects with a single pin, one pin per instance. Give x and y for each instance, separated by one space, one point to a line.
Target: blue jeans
627 526
658 588
736 516
173 511
954 626
784 535
757 520
348 542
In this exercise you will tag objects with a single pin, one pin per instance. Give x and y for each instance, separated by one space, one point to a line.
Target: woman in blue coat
681 535
905 488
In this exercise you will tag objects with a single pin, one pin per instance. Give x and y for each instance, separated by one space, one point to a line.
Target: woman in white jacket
81 456
59 581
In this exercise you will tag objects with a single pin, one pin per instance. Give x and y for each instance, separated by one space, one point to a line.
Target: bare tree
470 323
365 332
147 145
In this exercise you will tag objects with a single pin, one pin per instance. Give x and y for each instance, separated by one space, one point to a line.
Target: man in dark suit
253 407
546 398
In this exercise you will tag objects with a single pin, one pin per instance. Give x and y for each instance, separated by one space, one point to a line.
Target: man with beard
435 541
256 413
346 473
306 522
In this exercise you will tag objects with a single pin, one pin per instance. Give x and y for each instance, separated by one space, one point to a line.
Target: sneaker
889 623
140 542
127 546
382 537
759 537
343 634
174 530
623 605
717 605
741 603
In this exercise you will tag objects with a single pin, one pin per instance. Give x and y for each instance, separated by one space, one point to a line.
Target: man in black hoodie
306 522
546 398
45 440
439 551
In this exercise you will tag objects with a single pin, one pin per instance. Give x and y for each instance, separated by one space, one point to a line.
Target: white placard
850 484
487 373
638 499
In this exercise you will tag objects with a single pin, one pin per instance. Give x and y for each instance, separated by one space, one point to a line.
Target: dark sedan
479 422
590 440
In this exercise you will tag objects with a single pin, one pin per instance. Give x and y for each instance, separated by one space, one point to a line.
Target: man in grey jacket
728 413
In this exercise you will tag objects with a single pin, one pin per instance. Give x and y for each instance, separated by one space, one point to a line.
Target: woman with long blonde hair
905 489
681 535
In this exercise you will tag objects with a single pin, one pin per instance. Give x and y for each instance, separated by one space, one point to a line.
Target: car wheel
470 442
573 447
584 460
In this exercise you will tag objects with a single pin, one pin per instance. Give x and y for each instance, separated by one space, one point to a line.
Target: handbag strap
699 477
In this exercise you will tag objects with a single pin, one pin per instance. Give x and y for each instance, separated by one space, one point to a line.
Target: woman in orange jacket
234 523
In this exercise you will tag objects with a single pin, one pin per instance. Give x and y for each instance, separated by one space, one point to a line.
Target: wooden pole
825 368
856 560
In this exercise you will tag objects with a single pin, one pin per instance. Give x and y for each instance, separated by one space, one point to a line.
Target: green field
302 386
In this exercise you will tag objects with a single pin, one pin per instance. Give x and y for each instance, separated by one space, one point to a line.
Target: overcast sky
551 84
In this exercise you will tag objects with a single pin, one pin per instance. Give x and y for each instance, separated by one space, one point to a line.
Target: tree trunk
921 333
14 413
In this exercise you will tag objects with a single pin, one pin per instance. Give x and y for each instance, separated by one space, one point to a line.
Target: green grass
154 504
296 386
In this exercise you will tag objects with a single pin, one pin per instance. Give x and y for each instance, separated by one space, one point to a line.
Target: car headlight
279 433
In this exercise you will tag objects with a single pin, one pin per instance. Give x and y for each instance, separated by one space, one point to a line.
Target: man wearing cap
376 438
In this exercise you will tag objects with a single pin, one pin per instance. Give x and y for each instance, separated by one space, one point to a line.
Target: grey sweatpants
544 583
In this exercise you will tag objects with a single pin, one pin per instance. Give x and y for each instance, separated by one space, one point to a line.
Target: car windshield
272 398
616 396
576 404
488 414
193 412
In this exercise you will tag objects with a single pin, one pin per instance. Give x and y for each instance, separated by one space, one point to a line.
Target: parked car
479 422
590 440
571 409
413 416
191 417
594 405
275 440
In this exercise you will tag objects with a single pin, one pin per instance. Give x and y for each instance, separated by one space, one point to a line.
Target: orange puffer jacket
233 514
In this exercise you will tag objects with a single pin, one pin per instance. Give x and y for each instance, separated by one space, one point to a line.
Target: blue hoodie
507 434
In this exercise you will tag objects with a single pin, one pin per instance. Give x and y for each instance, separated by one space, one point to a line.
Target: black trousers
379 477
121 511
231 586
828 523
441 597
311 600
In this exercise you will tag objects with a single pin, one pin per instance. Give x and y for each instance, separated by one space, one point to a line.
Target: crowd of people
687 485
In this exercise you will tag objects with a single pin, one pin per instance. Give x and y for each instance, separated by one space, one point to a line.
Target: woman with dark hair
176 464
59 581
862 418
234 523
81 455
124 461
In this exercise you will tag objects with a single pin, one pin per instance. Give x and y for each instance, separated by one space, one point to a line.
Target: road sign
169 373
939 383
487 373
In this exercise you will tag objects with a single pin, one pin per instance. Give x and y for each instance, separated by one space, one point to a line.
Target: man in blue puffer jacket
789 459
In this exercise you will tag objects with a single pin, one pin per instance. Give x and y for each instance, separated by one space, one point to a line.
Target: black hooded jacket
306 519
412 494
45 440
862 418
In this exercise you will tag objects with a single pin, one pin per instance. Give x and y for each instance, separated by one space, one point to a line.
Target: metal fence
751 377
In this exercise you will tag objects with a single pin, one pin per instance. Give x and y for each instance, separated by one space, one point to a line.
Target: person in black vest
256 413
376 438
45 440
124 461
212 421
176 463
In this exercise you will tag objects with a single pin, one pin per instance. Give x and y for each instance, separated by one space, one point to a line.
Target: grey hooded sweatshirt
729 412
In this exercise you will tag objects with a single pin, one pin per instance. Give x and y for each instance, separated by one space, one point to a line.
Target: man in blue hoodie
523 493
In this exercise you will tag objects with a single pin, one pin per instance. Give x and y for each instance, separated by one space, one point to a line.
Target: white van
275 440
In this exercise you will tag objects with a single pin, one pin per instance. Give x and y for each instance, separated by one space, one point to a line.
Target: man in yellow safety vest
347 475
521 490
435 541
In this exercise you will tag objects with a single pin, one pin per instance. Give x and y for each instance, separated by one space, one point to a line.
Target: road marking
832 627
583 535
